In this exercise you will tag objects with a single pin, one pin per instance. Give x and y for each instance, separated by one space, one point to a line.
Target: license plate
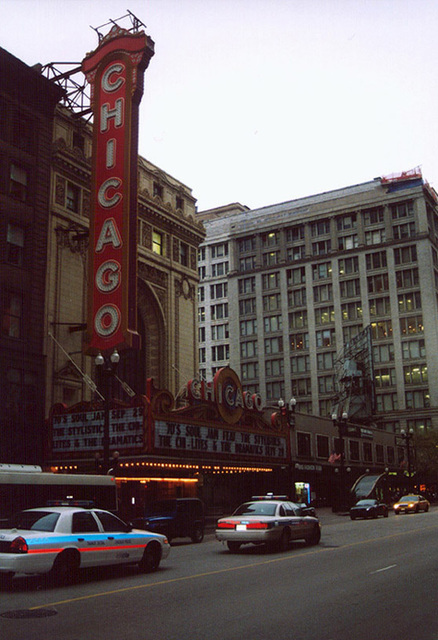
240 527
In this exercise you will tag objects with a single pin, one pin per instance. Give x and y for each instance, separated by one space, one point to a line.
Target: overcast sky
263 101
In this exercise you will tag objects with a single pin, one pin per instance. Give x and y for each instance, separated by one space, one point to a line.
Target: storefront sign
308 467
76 432
115 72
175 436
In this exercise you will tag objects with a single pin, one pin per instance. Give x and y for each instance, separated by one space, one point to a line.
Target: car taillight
226 524
18 545
257 525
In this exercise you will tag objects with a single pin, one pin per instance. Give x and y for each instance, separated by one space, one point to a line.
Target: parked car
305 509
369 508
412 504
61 540
270 521
178 518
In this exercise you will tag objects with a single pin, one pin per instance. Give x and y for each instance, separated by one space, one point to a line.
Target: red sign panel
115 73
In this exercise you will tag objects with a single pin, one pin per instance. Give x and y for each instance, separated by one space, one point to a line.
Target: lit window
157 243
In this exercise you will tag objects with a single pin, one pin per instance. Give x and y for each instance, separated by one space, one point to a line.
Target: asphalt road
367 580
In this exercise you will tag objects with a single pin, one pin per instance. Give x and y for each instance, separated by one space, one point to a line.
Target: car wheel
233 546
314 537
374 514
417 509
284 541
352 517
385 513
426 509
151 558
65 569
197 534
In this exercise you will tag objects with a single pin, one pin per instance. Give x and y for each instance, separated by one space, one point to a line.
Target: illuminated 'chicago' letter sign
115 72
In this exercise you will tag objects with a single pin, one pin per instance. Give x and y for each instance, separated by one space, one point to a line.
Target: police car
60 540
271 520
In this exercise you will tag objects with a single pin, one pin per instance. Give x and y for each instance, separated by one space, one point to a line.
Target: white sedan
267 521
60 540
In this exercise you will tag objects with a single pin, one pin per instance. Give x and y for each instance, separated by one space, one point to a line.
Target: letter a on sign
115 71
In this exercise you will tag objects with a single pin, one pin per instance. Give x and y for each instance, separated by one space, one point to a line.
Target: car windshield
366 503
162 507
256 509
409 499
34 520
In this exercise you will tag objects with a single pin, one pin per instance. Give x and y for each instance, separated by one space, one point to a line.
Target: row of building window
354 450
347 265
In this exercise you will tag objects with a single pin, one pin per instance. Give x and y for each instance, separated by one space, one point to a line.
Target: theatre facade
213 441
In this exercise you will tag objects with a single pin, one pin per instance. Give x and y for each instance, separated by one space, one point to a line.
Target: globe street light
287 411
107 366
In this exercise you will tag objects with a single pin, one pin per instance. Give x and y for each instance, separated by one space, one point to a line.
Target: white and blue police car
59 540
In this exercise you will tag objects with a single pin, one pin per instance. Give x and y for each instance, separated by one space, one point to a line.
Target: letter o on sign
107 320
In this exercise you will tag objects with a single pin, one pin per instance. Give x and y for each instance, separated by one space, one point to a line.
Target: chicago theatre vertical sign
115 71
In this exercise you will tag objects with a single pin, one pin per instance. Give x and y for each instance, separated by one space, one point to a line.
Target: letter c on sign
107 320
107 85
105 201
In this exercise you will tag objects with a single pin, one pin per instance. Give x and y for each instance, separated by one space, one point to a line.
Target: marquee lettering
109 235
107 320
107 85
115 73
108 276
110 153
105 200
226 392
116 112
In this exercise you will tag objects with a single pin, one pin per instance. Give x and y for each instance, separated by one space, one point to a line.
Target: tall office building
285 288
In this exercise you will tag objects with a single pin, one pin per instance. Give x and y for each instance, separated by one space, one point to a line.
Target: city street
367 580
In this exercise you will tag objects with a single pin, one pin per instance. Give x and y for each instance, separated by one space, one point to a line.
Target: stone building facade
286 287
168 239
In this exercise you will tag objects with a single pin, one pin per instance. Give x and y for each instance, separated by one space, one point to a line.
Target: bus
27 486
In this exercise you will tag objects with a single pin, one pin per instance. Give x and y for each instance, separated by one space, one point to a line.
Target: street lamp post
407 437
287 411
287 417
341 423
108 367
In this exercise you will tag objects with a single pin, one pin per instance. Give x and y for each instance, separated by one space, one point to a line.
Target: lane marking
391 566
245 567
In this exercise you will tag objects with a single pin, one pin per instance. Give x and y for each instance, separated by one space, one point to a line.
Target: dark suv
178 518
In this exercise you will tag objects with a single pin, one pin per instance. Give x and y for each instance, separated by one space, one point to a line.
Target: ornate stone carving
60 191
184 289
